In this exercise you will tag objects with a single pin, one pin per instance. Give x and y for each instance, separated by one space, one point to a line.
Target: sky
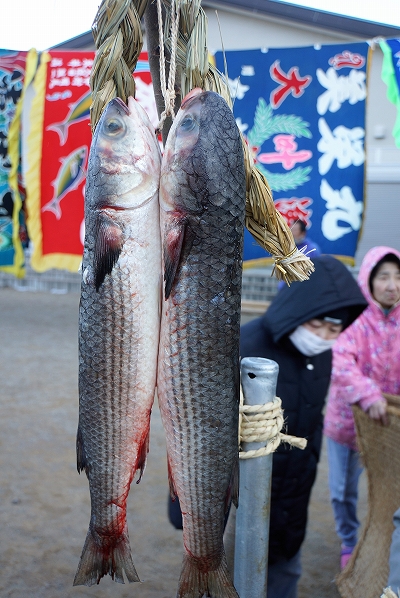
41 24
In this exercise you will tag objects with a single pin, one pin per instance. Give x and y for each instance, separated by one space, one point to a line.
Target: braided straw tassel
118 38
262 219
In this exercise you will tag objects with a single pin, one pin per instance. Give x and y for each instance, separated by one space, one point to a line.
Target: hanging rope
168 92
118 38
263 423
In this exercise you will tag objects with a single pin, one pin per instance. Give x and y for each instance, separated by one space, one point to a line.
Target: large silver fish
202 205
118 329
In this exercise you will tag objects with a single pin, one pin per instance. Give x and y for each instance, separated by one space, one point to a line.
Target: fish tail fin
98 560
61 129
53 206
199 580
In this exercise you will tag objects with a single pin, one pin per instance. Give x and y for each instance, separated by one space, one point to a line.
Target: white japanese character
77 82
236 89
241 125
339 89
341 207
63 82
342 144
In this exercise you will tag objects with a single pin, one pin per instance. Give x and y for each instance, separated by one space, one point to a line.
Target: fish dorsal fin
108 246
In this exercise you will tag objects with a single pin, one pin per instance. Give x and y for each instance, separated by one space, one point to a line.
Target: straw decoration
118 38
262 219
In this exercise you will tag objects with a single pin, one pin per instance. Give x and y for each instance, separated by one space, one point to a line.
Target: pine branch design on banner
285 182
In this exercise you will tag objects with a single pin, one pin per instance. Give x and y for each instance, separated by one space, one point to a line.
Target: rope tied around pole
168 92
263 423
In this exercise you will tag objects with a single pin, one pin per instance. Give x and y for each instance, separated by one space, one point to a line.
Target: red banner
60 120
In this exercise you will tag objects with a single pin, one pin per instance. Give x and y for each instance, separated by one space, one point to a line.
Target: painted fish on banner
302 111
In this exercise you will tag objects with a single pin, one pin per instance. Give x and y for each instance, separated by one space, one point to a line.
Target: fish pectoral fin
81 462
177 246
172 254
108 246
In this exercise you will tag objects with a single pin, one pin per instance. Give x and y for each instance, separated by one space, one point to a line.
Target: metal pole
259 378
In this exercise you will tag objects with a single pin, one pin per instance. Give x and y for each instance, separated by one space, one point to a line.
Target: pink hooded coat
366 359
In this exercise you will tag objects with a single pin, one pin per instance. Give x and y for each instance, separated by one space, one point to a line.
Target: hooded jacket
366 359
302 386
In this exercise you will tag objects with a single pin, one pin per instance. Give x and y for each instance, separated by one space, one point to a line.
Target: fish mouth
121 104
127 208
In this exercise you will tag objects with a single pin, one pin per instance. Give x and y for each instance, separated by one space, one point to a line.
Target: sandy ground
44 506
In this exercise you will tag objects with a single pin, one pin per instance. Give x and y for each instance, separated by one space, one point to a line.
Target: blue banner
302 111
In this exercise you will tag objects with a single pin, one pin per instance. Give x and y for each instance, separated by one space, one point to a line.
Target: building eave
307 16
85 40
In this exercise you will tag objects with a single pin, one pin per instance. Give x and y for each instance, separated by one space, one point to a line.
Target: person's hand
378 411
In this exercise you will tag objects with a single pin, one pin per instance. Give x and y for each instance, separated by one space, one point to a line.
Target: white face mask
309 343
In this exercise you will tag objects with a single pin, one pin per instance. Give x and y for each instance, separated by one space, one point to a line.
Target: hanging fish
202 206
118 329
68 179
78 111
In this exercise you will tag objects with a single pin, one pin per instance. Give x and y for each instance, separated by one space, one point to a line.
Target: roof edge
308 16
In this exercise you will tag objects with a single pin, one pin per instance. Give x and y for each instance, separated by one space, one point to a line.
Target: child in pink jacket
366 363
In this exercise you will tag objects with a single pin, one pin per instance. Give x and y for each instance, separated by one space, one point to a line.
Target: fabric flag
58 151
391 76
16 72
302 111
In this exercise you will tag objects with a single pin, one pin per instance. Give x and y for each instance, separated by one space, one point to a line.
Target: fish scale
118 329
202 200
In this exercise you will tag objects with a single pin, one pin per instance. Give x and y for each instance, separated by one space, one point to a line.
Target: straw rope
168 92
118 38
262 219
388 593
263 423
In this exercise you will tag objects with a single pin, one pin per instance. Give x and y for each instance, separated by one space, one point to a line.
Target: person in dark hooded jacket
298 331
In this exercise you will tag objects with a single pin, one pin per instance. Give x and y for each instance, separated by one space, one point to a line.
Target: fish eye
188 123
114 126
